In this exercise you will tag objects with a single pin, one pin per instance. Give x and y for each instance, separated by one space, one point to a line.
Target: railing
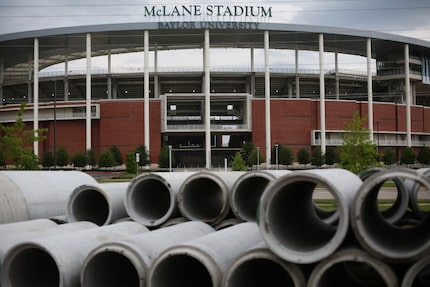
212 127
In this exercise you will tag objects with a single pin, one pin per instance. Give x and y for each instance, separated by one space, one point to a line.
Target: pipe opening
203 199
292 207
260 272
151 199
422 201
90 205
353 274
325 205
247 197
33 267
109 269
180 271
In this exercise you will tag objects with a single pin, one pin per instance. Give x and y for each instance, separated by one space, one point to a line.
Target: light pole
170 158
276 156
258 158
55 124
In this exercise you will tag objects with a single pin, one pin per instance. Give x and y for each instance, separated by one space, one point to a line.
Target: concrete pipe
396 212
57 260
205 196
378 236
415 194
126 262
28 195
247 190
28 225
151 199
203 261
289 223
101 204
352 267
258 267
418 274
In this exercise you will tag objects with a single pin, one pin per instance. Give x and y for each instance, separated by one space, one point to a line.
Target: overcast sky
406 17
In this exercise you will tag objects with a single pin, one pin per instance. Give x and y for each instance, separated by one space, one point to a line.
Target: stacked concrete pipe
289 223
247 190
418 274
352 267
258 266
151 199
126 262
56 261
28 195
205 196
414 192
203 261
102 203
378 236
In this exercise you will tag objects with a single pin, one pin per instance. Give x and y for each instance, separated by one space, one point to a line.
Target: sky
404 17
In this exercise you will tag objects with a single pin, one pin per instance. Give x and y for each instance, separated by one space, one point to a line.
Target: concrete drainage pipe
151 199
418 275
415 194
247 190
352 267
28 195
203 261
378 236
101 204
126 262
205 196
56 261
258 267
289 222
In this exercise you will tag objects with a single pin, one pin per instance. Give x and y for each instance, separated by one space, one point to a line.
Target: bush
62 157
131 164
163 158
253 158
304 156
79 159
238 164
285 155
317 157
106 159
331 156
408 156
424 155
144 156
117 155
48 158
389 156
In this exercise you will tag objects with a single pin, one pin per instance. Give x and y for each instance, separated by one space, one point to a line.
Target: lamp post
377 129
276 156
258 158
55 124
170 158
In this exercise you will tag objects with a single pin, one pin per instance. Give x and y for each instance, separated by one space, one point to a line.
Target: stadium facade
206 113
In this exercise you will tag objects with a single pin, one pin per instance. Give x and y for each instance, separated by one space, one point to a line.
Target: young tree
48 158
286 155
423 156
79 159
389 156
408 156
130 163
303 156
107 159
247 148
331 156
163 158
358 153
62 157
16 140
317 157
117 155
253 158
238 164
144 156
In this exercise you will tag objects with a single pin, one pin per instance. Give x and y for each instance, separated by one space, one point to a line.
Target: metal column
369 88
267 97
322 93
408 97
36 95
88 93
146 91
207 75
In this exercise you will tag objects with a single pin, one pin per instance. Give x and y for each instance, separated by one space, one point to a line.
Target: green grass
383 204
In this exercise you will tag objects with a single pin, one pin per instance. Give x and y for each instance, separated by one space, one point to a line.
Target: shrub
107 159
48 158
238 164
62 157
79 159
304 156
408 156
317 157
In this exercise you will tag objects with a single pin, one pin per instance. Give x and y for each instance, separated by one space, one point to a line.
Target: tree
62 157
247 148
238 164
389 156
286 155
16 140
317 157
253 158
117 155
303 156
423 156
144 155
357 153
91 159
331 156
163 158
130 163
106 159
79 159
408 156
48 158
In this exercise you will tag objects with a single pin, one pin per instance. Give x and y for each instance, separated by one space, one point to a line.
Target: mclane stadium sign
207 11
184 16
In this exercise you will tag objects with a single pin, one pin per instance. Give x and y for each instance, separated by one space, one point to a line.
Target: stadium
206 111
